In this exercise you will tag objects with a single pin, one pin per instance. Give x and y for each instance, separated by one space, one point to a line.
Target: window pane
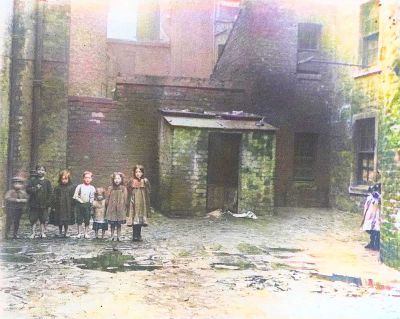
309 36
369 21
305 148
366 135
365 167
122 19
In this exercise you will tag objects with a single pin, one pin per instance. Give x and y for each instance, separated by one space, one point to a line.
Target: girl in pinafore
63 204
116 203
99 212
139 204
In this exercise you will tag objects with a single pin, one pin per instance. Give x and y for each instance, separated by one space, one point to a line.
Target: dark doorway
223 171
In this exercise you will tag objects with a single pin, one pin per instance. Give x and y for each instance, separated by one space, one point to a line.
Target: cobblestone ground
300 263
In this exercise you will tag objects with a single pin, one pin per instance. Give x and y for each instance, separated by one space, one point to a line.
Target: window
305 153
134 20
365 150
369 27
308 46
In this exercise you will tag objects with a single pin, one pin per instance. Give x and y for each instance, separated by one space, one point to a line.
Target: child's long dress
63 205
371 219
139 208
116 203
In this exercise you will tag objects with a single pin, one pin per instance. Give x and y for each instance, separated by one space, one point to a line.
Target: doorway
223 171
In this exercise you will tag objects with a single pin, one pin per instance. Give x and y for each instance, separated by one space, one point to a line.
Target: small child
84 195
40 191
16 199
116 203
139 204
371 217
63 204
99 212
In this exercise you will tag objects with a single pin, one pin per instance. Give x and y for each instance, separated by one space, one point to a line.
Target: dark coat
63 210
40 192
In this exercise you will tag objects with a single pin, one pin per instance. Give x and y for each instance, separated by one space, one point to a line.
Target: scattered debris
249 214
218 213
215 214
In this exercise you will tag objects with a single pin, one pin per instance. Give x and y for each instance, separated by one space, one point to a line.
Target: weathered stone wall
21 81
6 9
261 55
369 90
184 188
188 176
257 173
165 152
105 135
51 78
389 132
53 120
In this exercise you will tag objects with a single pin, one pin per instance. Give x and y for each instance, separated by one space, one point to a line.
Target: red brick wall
105 136
261 55
88 48
183 51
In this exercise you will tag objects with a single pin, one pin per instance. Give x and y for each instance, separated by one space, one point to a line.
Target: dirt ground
300 263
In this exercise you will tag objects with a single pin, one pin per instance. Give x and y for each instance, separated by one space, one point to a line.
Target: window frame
364 152
369 34
305 50
300 139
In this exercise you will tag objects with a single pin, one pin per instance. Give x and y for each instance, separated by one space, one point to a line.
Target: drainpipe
14 104
37 83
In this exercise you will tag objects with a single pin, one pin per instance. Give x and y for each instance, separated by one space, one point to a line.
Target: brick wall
186 183
369 91
184 174
261 56
53 110
257 173
106 135
88 48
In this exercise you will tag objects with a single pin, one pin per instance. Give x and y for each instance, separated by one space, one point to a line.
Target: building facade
366 124
271 52
82 88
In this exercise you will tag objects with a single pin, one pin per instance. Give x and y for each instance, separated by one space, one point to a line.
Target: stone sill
309 76
358 190
163 44
365 73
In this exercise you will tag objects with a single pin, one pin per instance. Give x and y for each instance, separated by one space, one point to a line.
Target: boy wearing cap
16 199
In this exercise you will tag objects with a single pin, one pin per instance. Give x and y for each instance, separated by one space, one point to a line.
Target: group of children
68 204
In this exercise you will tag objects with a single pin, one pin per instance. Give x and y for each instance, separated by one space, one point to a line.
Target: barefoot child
84 196
139 204
63 204
16 199
116 203
99 212
40 191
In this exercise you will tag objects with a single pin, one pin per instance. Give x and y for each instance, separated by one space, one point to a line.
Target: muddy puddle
115 262
15 258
